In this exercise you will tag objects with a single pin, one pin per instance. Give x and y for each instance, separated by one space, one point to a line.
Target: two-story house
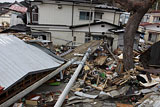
150 25
5 16
10 12
56 20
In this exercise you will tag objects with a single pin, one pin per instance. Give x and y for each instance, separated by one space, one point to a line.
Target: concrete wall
151 19
61 38
115 41
11 18
121 42
111 17
59 35
117 19
50 14
77 10
80 38
152 16
15 20
146 36
153 29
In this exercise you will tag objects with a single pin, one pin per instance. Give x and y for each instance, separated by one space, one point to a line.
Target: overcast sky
10 0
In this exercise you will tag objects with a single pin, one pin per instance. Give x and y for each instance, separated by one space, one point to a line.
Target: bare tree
137 8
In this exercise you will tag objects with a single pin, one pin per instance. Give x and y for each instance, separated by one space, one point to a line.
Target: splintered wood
100 60
83 48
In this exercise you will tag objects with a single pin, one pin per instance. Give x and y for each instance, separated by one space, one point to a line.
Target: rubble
151 57
151 101
103 78
105 74
82 49
85 95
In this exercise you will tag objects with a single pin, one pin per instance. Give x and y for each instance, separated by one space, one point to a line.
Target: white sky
10 0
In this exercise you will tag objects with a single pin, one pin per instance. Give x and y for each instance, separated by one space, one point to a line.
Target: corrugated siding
18 59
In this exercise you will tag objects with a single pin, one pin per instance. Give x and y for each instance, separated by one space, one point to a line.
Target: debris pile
103 81
103 77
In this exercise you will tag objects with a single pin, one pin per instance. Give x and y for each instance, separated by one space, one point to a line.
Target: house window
85 15
152 37
34 14
96 37
156 19
74 39
87 37
98 15
145 18
41 35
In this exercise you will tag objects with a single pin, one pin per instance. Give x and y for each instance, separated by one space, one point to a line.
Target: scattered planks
101 60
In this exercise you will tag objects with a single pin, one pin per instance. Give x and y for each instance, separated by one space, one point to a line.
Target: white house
150 25
9 14
54 19
16 9
152 32
5 15
98 31
120 40
5 19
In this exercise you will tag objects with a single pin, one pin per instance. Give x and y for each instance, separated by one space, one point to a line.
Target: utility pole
90 18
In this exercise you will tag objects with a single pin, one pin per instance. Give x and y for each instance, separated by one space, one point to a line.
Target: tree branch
134 5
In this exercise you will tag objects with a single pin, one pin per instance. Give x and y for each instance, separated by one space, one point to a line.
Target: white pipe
157 5
69 85
36 85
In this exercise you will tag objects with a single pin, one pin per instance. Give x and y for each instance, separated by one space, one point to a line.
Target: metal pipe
36 85
69 85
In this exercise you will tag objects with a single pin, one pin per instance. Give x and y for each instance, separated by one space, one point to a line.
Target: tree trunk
129 35
139 8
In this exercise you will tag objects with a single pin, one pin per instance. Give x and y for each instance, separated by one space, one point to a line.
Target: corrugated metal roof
17 59
48 51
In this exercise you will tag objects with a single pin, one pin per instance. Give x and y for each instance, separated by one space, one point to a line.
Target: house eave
95 23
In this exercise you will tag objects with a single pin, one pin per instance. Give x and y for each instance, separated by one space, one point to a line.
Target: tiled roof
18 8
146 24
154 11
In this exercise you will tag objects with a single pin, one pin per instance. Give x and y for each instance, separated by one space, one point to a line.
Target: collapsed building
101 79
22 65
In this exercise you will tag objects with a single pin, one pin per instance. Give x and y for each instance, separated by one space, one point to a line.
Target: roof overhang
91 24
